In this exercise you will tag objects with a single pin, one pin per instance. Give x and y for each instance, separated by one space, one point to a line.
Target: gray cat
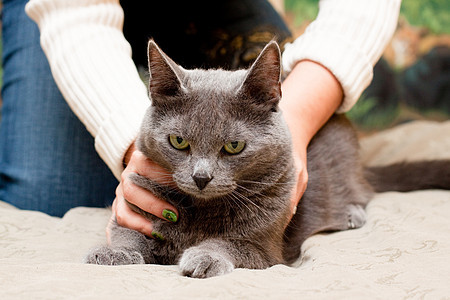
221 134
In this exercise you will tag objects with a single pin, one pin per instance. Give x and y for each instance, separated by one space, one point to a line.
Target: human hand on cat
311 94
138 163
302 179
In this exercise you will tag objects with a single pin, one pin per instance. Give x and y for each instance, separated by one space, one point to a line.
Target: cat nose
201 179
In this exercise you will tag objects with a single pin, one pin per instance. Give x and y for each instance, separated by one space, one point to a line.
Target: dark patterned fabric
227 34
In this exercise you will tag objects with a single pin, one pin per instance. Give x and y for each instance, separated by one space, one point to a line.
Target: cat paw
108 256
200 263
356 216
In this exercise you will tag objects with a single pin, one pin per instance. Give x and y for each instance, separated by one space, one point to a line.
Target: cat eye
178 142
234 147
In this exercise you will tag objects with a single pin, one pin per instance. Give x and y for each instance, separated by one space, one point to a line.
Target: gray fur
239 217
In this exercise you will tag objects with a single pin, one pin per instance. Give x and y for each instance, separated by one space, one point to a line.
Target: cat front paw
356 216
108 256
201 263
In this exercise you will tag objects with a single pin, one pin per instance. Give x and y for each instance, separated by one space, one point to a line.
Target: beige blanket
402 252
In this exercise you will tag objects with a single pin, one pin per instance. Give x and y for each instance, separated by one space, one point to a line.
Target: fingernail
157 236
169 215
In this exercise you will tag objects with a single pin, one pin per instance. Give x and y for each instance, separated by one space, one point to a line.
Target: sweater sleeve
91 63
348 37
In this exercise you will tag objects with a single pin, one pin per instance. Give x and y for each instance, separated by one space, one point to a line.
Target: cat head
219 132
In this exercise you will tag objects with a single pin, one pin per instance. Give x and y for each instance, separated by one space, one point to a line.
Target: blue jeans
47 158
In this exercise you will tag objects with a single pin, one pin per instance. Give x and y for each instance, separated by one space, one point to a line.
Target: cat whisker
166 182
250 191
238 201
244 199
263 183
158 175
232 200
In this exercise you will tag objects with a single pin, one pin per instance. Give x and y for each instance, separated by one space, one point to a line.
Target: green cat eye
234 147
178 142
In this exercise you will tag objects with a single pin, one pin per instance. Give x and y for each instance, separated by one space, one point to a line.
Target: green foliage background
303 10
432 14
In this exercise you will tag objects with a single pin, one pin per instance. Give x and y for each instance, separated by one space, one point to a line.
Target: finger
128 218
301 184
148 202
144 166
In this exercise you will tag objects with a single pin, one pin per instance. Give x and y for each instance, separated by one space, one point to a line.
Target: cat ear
165 75
262 85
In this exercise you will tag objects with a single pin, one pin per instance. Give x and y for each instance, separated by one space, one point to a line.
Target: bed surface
403 251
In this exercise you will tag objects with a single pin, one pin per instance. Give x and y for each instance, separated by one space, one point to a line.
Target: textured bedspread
402 252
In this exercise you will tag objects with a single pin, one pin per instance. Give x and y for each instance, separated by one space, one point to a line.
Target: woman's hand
301 178
311 94
138 163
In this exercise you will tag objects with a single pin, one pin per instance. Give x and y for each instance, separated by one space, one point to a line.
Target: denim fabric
47 158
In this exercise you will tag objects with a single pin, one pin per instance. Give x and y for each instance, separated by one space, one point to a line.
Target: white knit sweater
92 66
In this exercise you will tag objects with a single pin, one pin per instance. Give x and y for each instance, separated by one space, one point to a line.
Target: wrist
311 94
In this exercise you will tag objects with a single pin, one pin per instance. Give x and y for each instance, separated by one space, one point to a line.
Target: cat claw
356 217
350 224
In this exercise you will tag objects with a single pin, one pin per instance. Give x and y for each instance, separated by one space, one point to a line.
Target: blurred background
412 79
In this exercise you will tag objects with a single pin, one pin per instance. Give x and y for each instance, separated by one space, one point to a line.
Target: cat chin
207 193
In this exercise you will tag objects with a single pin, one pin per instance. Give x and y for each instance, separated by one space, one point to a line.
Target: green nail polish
169 215
157 236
